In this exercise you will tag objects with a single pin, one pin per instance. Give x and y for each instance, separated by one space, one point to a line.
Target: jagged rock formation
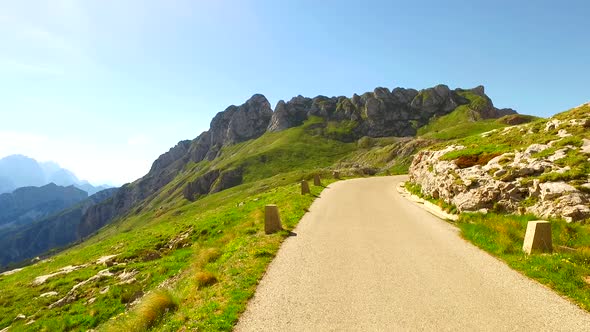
382 112
378 113
547 180
235 124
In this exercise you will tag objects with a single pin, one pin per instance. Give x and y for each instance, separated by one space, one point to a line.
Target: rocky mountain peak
382 112
479 90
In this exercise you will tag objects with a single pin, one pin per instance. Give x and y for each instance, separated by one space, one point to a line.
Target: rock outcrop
212 182
382 112
547 180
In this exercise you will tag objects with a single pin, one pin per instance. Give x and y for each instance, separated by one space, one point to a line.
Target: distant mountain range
27 204
34 220
17 171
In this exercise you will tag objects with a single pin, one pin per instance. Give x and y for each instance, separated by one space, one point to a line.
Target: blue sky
104 87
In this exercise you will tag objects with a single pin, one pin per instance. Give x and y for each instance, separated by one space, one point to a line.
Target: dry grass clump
205 278
208 255
151 308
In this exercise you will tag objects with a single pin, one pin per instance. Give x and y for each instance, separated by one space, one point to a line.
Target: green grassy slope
228 226
466 120
207 255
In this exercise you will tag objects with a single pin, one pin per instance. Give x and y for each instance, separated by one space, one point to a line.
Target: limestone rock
552 190
52 293
379 113
499 184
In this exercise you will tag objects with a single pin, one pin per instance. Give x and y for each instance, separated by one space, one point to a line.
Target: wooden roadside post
272 220
304 187
538 237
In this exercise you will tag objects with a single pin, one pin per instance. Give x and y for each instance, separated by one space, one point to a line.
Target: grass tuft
146 314
205 279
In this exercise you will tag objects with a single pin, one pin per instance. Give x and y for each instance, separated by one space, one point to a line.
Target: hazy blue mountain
90 189
62 177
28 204
18 171
21 171
6 184
21 241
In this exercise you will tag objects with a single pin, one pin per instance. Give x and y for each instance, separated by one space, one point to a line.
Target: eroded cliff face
375 114
548 179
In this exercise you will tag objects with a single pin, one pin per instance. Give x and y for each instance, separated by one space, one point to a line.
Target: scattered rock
535 148
72 295
127 277
64 270
552 124
7 273
20 317
180 241
552 190
101 274
69 298
48 294
561 153
108 261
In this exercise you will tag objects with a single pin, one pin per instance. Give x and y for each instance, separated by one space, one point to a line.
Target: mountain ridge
58 228
404 110
30 203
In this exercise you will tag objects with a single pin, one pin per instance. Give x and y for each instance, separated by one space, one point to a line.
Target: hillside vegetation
501 179
185 245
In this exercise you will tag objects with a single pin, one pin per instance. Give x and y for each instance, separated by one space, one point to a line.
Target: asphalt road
367 259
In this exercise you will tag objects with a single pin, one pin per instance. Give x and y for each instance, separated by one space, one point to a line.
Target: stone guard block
538 237
316 180
304 187
272 220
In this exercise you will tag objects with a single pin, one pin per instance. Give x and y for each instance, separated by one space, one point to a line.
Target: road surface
366 259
